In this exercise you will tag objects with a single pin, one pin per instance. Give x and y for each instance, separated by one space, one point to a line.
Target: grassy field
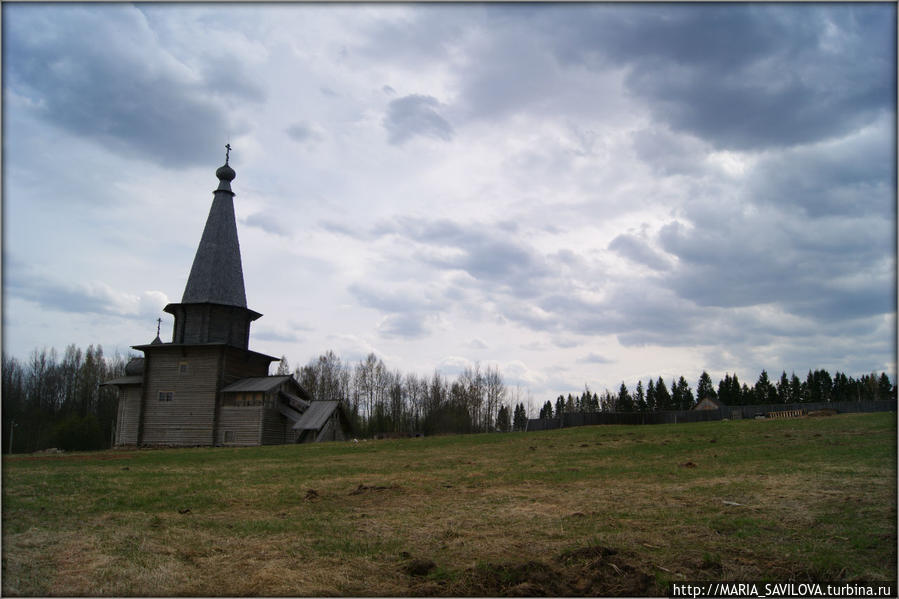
613 510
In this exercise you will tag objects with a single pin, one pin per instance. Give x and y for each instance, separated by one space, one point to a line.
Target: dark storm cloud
856 176
635 249
406 326
392 300
342 228
594 358
407 310
302 132
668 153
99 72
419 38
766 262
489 254
634 313
415 115
744 76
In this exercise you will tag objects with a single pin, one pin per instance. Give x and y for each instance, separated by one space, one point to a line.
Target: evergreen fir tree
797 393
675 396
764 391
684 395
663 398
746 396
704 388
885 389
640 398
783 389
739 391
651 397
547 410
503 422
625 402
520 419
724 390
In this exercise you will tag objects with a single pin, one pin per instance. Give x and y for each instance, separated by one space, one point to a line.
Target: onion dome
134 367
225 173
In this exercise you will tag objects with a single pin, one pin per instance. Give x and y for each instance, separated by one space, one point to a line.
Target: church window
166 396
182 368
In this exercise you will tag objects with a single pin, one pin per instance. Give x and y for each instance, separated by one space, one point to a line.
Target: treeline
53 401
384 401
818 386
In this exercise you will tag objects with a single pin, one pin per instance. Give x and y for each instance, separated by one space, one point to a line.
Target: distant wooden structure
708 404
206 387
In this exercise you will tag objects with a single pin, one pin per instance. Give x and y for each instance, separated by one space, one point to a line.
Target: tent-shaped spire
214 306
216 276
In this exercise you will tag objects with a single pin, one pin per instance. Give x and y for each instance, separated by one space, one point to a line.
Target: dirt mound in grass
588 571
368 489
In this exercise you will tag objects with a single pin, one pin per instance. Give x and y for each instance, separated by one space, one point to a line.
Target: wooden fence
726 412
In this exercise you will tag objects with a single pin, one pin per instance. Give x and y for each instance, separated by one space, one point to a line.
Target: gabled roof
707 404
316 415
257 383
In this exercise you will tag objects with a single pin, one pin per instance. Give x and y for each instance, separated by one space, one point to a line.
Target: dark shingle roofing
256 383
125 380
289 412
316 415
135 367
216 276
294 401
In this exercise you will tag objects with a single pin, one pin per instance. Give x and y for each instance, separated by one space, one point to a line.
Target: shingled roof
316 415
256 383
216 276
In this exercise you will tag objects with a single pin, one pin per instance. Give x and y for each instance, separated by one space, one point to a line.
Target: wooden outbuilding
206 387
708 404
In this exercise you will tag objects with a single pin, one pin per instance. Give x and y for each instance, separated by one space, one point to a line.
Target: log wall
241 364
274 427
189 418
240 425
128 415
332 431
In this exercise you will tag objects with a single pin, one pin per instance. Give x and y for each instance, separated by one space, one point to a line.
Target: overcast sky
575 193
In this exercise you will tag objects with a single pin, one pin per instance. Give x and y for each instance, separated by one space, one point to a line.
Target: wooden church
206 387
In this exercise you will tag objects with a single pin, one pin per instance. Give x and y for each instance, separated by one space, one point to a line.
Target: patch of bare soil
367 489
418 567
818 413
587 572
